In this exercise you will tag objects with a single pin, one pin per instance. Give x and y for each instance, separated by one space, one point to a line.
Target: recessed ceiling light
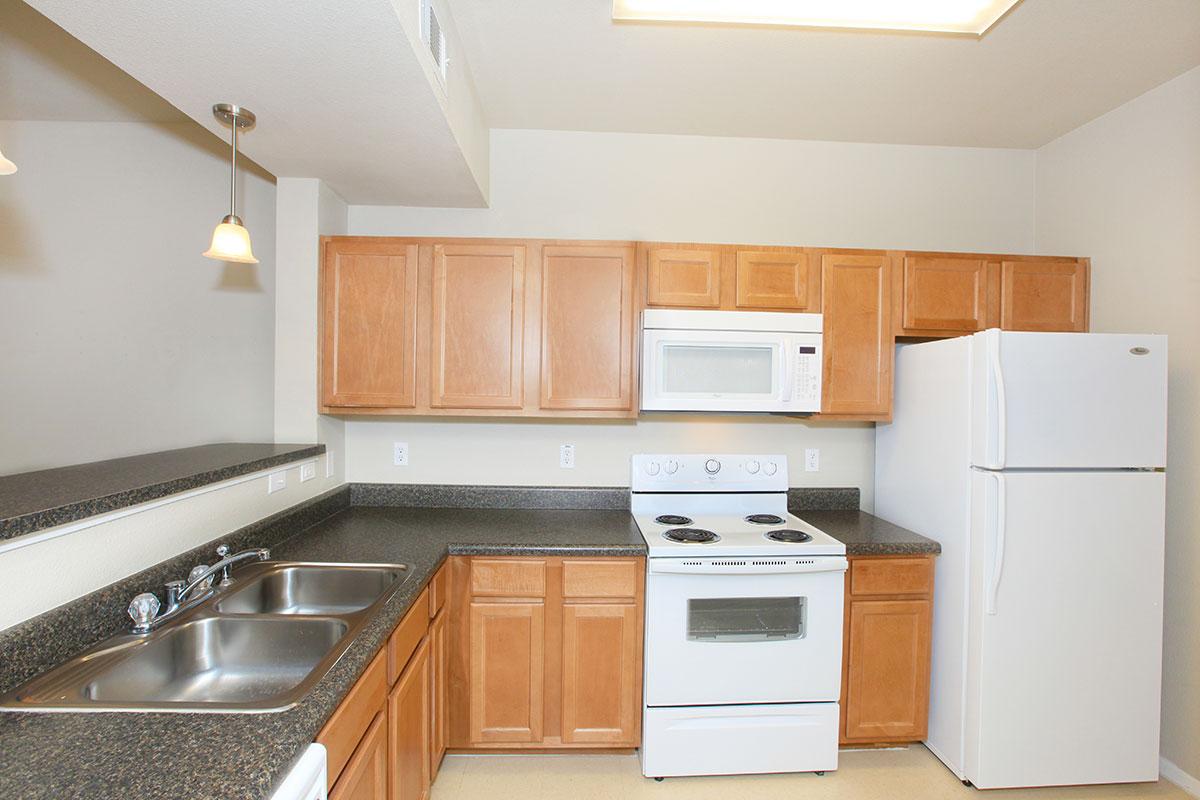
940 16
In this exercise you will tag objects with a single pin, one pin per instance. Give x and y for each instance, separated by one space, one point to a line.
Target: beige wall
119 337
631 186
1125 189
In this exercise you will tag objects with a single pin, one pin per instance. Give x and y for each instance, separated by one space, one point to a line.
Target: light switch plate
400 454
812 460
276 482
308 471
566 456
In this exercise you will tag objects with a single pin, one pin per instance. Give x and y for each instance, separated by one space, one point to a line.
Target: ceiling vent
434 37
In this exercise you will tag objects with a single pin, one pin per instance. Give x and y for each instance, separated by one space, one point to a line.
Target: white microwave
748 361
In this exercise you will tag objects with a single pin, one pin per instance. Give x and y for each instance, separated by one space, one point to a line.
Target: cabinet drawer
886 576
508 577
437 591
350 721
585 578
407 636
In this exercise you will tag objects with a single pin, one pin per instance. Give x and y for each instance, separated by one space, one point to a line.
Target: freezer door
1068 400
1065 628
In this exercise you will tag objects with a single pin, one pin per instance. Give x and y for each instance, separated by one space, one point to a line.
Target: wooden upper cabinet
587 315
368 342
945 295
858 336
477 327
1044 295
777 280
683 278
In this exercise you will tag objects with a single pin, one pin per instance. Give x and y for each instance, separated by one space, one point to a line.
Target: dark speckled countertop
868 535
201 756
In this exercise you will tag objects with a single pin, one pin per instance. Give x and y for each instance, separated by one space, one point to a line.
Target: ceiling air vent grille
434 36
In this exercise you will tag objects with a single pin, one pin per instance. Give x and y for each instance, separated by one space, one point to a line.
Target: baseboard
1189 783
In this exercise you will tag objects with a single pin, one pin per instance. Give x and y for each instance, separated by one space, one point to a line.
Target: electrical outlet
400 454
308 471
276 482
328 463
812 460
566 456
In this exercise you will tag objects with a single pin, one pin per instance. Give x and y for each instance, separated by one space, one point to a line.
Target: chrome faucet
143 610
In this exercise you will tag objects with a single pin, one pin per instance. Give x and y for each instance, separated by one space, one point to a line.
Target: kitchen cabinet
545 653
352 719
365 774
945 295
683 276
780 279
368 324
409 714
588 323
858 338
1044 295
478 323
439 660
886 653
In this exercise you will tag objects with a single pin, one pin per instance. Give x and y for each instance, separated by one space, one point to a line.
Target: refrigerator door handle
993 346
998 543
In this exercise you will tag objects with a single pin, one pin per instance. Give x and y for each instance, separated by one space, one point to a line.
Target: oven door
730 630
697 370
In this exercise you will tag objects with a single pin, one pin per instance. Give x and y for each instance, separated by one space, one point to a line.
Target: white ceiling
1045 69
46 74
337 87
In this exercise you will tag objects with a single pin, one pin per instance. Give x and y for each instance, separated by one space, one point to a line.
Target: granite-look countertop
203 756
867 535
31 501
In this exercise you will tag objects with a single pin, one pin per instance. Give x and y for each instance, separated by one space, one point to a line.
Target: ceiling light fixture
6 167
972 17
230 239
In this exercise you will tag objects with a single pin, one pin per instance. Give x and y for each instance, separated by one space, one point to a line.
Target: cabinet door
858 341
365 776
507 644
685 278
438 677
1044 296
587 328
601 665
945 294
887 674
779 280
368 325
408 721
477 327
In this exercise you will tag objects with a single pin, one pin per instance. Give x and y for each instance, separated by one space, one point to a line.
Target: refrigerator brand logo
1140 351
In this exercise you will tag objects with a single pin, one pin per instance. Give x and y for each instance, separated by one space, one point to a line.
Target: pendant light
230 239
6 167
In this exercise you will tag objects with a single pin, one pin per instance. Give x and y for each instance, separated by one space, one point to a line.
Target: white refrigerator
1037 461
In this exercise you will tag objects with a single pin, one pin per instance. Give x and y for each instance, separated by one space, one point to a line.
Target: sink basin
311 589
256 646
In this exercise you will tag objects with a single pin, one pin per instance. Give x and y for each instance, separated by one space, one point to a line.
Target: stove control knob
770 468
752 467
712 466
672 467
652 467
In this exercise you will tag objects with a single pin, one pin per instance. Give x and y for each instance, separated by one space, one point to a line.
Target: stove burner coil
673 519
691 536
788 535
764 519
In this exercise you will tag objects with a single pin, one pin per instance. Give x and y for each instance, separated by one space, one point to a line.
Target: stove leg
820 773
660 780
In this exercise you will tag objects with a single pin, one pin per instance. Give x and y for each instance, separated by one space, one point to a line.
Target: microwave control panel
806 391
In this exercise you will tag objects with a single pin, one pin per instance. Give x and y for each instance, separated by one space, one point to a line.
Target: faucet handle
222 550
142 610
198 571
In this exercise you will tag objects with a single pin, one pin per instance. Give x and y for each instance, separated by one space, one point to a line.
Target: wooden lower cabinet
366 774
546 653
886 657
438 663
409 713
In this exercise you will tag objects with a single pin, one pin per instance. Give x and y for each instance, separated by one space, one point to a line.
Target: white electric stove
743 620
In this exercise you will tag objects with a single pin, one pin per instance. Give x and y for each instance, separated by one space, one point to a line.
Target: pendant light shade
230 239
6 167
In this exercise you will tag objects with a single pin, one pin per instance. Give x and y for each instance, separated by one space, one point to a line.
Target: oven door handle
746 566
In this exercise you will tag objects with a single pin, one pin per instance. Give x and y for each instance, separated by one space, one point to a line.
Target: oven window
746 619
699 369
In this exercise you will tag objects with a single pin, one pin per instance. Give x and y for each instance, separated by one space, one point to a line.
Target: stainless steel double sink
256 646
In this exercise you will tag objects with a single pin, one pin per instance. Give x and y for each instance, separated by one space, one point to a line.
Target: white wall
1125 189
119 337
648 187
92 553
